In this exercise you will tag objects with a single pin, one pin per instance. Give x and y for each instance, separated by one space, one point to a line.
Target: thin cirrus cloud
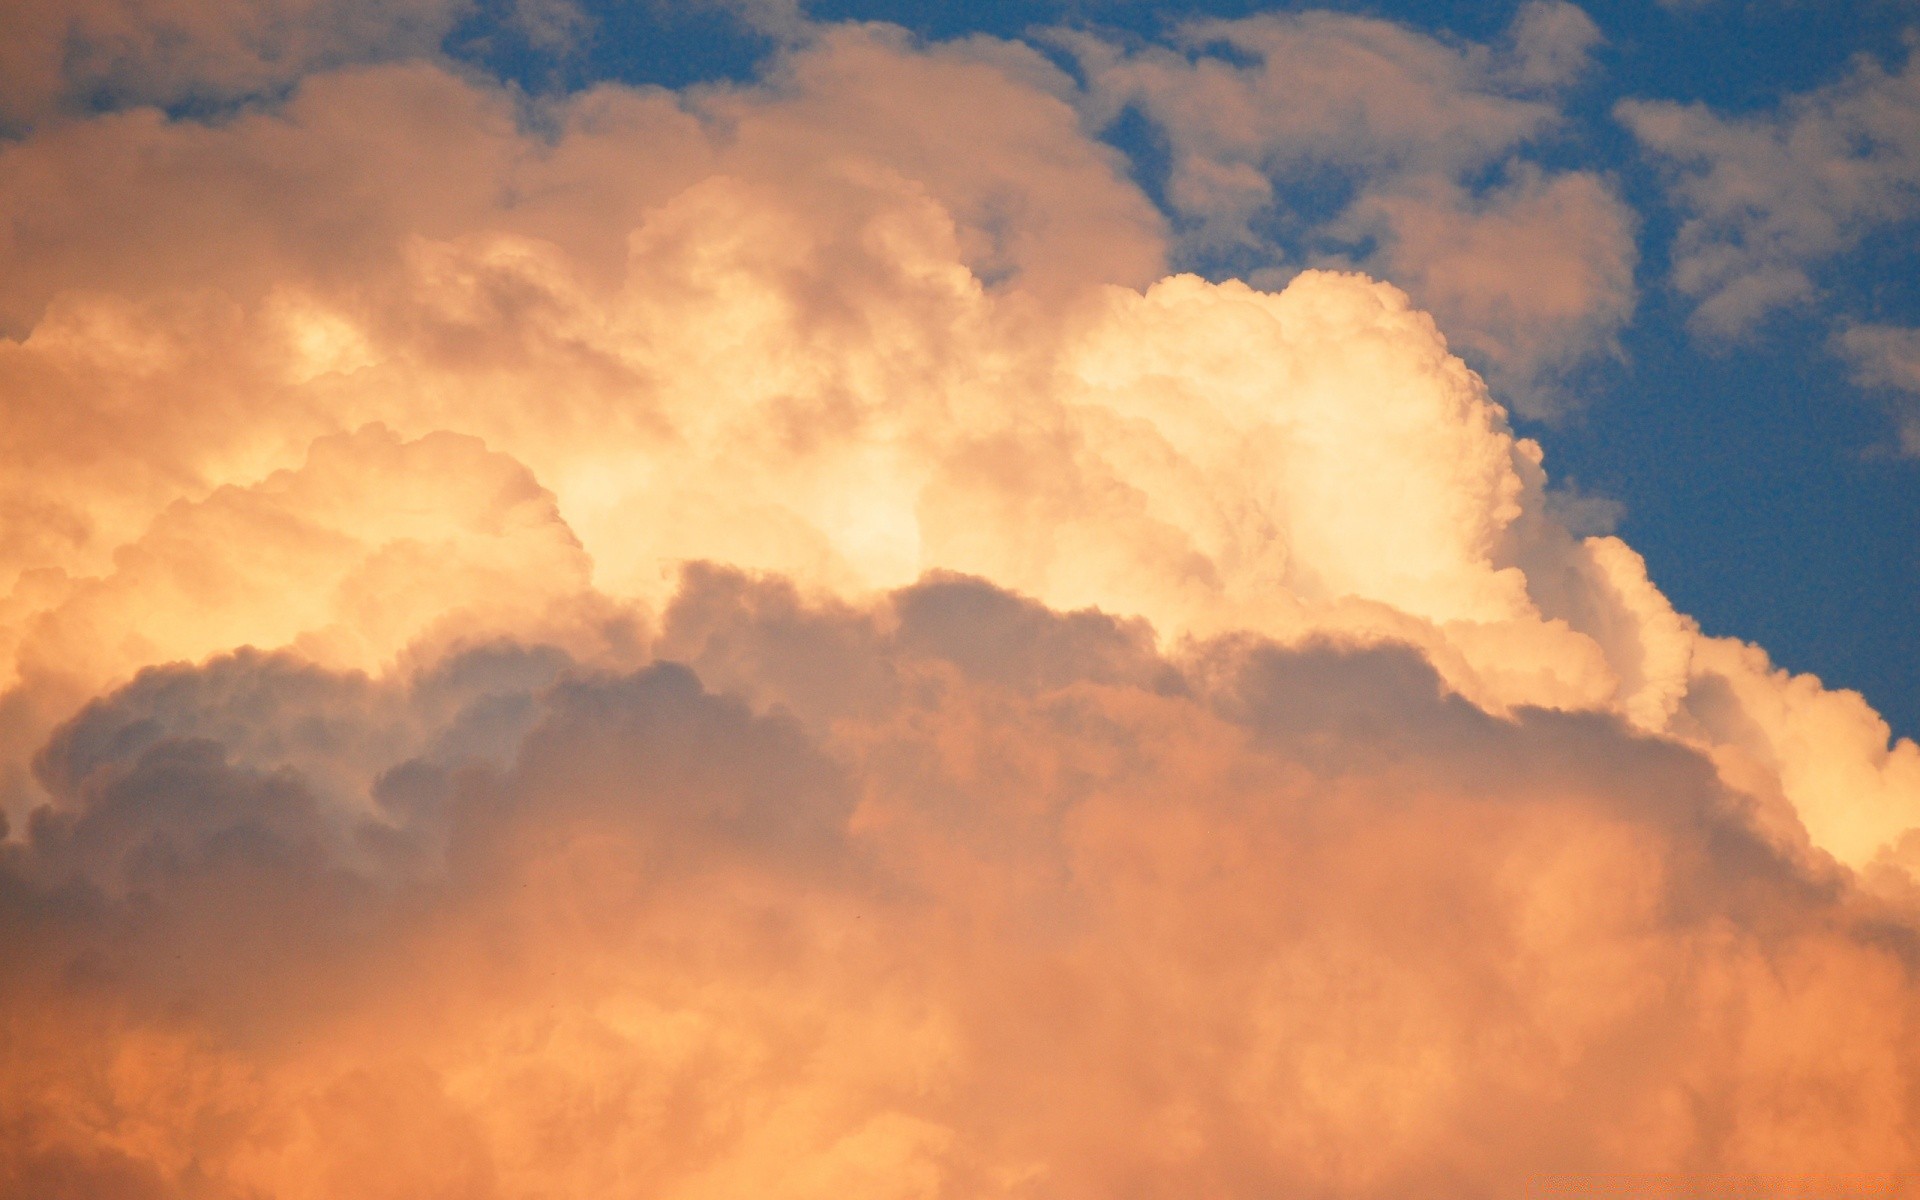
752 641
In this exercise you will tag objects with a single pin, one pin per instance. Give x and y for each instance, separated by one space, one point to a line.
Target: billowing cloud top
753 641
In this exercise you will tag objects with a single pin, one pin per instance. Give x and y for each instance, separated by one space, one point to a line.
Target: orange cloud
986 898
747 642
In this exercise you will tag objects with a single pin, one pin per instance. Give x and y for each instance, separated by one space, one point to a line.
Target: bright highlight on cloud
755 642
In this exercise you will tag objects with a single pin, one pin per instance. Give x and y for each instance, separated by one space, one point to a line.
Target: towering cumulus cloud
750 642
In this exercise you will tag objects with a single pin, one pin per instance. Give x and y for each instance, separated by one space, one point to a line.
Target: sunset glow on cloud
800 636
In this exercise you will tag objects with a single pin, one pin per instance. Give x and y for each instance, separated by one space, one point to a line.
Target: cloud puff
349 257
1887 356
1550 44
804 344
370 546
1358 141
746 641
1770 197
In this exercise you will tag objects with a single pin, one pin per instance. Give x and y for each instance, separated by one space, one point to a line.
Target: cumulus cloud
351 256
1351 141
1770 197
752 641
1024 909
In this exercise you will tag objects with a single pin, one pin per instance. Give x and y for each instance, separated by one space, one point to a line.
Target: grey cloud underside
765 807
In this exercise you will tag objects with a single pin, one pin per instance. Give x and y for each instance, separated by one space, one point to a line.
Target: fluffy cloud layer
987 899
748 642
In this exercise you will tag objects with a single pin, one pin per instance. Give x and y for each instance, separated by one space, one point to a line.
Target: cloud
1886 356
170 51
1456 252
1348 141
1769 198
392 229
752 641
807 343
1035 910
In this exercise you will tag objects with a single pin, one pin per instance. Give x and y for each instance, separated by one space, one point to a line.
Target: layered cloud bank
754 642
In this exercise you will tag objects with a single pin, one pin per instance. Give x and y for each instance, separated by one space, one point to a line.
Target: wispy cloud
1406 130
1770 197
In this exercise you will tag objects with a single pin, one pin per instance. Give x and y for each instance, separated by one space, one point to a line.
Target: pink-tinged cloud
748 642
1769 198
986 899
62 56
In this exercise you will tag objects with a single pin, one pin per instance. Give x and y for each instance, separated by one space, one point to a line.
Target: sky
889 599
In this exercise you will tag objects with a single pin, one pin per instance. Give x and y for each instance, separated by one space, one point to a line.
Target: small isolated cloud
1551 43
1769 198
1402 130
1886 356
